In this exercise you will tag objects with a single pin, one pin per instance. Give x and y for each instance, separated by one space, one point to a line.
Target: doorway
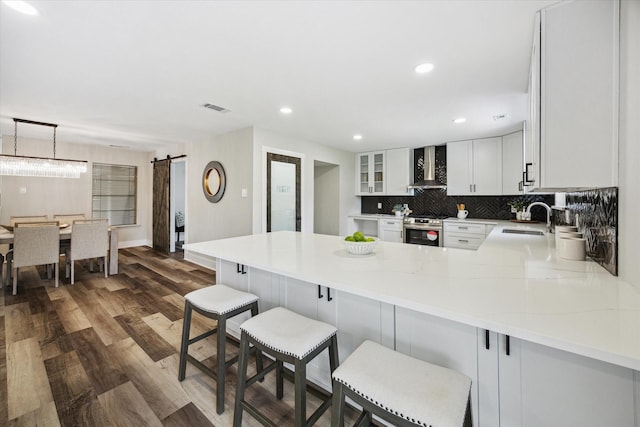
177 213
326 198
283 193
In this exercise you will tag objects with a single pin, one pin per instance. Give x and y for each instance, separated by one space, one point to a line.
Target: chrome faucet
549 229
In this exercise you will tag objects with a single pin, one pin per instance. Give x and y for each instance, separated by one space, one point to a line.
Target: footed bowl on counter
360 248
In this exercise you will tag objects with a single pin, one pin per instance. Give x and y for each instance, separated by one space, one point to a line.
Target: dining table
6 238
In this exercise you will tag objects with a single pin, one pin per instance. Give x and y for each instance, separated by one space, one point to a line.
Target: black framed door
283 193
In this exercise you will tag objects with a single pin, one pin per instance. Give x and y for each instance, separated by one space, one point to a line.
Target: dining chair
34 218
67 219
35 243
12 222
89 239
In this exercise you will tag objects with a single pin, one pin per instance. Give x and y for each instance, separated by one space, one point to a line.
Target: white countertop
375 216
513 284
474 220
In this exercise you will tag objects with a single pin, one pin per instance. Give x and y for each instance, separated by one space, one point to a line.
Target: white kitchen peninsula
545 341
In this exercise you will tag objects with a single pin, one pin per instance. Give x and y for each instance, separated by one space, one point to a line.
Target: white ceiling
136 73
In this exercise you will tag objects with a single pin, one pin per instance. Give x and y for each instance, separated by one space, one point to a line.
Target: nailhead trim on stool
287 337
418 392
218 302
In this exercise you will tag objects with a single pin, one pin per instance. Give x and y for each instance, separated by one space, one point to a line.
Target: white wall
325 218
63 195
231 216
349 203
629 203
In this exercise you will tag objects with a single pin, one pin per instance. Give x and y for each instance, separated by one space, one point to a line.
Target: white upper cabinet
474 167
512 163
578 98
384 172
398 172
370 173
459 167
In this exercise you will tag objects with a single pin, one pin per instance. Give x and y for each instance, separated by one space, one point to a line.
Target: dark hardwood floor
104 352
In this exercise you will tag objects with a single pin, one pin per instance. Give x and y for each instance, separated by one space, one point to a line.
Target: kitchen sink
517 231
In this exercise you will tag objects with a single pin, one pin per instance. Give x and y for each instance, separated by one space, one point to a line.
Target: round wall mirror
213 181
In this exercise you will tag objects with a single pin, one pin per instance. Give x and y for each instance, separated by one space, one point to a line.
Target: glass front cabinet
370 175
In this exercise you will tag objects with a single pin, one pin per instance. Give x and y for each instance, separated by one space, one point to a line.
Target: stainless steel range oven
423 230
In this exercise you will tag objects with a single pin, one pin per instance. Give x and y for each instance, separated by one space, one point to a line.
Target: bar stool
217 302
287 337
400 389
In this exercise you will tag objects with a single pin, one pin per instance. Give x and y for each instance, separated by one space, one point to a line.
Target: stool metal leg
279 380
241 381
467 418
337 405
259 364
333 354
221 338
300 393
186 326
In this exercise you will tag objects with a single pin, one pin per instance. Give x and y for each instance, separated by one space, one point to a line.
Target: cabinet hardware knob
329 298
243 270
463 241
508 345
486 339
320 296
237 268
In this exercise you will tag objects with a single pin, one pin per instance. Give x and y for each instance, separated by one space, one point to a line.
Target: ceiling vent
216 108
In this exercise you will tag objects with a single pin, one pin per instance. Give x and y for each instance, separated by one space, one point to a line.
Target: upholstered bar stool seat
291 338
400 389
218 302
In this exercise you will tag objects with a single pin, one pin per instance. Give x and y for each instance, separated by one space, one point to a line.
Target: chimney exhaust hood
425 173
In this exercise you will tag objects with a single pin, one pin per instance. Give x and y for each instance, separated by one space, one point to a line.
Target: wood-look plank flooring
104 352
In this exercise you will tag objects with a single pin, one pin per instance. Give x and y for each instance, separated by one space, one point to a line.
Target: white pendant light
14 165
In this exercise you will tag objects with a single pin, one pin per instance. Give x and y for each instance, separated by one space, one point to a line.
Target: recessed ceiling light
286 110
459 120
21 6
357 137
424 68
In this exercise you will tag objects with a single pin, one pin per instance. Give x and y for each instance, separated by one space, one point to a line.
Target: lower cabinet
357 319
463 235
538 385
519 383
259 282
442 342
390 230
232 274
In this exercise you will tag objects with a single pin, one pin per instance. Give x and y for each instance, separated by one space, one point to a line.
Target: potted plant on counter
519 206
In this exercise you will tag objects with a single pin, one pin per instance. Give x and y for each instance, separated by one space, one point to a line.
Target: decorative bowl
360 248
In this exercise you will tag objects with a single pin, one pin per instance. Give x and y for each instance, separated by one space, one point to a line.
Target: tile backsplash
436 202
595 213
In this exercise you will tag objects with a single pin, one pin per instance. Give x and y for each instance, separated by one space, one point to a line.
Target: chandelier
39 166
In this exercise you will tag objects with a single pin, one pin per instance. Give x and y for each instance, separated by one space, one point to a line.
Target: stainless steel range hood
427 164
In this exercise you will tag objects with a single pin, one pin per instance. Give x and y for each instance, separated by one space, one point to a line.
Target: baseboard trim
199 259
